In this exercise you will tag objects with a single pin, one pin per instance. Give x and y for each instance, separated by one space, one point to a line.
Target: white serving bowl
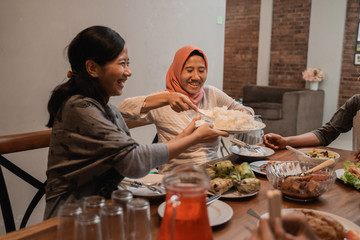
303 158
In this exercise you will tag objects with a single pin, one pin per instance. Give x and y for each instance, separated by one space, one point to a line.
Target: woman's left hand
180 102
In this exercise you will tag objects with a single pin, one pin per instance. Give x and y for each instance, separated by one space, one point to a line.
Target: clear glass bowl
285 177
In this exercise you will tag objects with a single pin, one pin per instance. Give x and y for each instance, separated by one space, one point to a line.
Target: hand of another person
263 232
293 226
179 102
274 141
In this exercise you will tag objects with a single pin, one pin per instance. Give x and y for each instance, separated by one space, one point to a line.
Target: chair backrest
18 143
356 132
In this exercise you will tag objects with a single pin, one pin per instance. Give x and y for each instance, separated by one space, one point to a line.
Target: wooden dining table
341 200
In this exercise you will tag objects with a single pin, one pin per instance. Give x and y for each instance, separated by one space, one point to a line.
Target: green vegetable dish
225 176
351 174
320 154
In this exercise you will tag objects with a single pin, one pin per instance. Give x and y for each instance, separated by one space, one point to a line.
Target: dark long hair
97 43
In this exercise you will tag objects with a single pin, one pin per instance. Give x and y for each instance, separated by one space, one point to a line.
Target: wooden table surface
341 200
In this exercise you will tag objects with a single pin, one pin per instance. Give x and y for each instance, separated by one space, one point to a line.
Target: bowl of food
317 155
286 176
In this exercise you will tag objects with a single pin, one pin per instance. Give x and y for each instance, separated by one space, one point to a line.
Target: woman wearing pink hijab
185 93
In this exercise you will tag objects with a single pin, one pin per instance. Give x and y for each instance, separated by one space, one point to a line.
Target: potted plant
313 76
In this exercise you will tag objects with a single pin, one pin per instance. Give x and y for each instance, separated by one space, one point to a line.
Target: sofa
286 111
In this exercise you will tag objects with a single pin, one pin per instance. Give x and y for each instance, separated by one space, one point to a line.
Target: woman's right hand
180 102
274 141
192 135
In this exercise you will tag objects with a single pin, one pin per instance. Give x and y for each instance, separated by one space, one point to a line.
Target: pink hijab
174 72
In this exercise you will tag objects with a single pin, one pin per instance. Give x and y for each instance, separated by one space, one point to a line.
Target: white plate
347 224
236 149
144 191
255 166
234 193
218 212
339 173
260 126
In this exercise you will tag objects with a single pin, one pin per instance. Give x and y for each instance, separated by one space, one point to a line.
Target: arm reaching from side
276 141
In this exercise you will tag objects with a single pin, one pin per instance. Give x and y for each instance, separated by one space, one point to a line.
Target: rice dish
228 119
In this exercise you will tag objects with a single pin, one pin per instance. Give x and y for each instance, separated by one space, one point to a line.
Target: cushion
267 110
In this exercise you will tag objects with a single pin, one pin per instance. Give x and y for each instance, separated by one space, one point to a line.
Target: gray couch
286 111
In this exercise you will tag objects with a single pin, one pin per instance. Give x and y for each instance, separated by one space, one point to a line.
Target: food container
317 155
285 176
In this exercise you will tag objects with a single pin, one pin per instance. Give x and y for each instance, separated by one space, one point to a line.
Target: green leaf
352 180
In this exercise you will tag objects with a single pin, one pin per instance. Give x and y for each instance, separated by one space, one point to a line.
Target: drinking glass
87 226
112 222
121 197
66 220
93 204
138 219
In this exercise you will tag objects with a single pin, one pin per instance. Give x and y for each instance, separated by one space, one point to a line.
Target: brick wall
241 45
289 42
349 85
289 46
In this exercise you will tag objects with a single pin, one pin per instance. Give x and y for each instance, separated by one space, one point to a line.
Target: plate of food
260 166
339 173
231 121
325 225
350 174
252 155
219 212
149 186
234 193
233 181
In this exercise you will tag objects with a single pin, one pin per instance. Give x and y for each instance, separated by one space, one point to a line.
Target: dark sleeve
341 121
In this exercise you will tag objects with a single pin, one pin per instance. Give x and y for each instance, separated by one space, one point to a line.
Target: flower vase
314 86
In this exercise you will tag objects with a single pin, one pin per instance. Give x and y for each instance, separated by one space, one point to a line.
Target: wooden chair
18 143
356 132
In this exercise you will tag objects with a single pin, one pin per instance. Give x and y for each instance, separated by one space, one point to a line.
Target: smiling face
113 75
193 74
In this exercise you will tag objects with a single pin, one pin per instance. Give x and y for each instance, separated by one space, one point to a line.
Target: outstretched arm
276 141
177 101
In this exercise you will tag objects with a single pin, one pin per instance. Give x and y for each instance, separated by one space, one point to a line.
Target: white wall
326 36
265 28
326 53
35 33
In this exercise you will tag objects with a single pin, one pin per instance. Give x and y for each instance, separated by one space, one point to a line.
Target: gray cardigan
91 150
